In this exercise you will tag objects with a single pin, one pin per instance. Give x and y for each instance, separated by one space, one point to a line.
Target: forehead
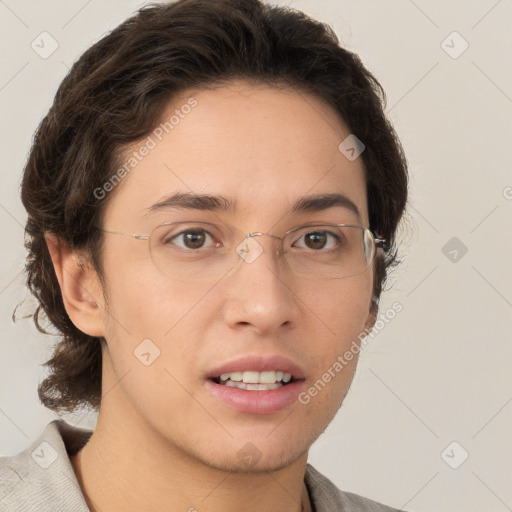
261 147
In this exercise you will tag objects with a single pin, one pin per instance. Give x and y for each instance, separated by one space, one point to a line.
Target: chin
256 456
264 464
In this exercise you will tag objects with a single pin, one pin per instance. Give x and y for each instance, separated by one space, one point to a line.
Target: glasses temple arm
381 242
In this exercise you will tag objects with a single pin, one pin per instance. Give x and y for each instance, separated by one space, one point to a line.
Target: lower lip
257 402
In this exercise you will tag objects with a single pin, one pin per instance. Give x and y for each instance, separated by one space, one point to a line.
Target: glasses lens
192 251
200 251
329 251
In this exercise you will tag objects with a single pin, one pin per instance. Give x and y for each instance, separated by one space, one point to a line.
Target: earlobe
79 286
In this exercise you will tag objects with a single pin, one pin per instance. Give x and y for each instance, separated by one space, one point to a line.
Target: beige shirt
41 478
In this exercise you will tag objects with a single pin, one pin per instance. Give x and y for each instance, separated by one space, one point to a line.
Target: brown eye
191 239
318 240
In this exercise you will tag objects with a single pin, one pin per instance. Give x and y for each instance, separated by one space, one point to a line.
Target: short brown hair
115 94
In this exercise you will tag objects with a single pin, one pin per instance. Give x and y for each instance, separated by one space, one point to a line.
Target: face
263 149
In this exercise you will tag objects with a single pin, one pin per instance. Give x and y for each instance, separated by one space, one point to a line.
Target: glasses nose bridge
259 233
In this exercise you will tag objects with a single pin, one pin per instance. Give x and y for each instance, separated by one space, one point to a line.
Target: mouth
257 384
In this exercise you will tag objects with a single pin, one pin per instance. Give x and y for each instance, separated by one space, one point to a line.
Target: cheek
143 303
149 314
335 352
148 320
339 312
342 306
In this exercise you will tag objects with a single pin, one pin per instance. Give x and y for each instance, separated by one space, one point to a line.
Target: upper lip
258 363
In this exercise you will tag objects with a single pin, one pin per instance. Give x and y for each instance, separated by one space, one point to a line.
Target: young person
212 206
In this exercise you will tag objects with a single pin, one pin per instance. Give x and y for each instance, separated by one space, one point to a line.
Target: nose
260 294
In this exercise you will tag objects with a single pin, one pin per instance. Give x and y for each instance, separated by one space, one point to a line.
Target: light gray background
440 370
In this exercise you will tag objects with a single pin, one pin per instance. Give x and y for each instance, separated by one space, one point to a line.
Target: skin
162 441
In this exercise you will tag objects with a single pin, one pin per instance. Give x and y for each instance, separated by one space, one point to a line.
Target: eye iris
316 240
194 239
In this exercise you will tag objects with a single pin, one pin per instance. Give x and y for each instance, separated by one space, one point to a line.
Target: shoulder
41 477
326 497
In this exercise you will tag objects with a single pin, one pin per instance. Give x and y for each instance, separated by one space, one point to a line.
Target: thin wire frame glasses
198 251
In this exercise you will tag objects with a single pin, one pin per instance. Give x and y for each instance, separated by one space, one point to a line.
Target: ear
372 315
79 285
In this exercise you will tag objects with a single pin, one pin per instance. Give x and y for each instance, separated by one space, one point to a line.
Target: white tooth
251 377
263 387
267 377
253 387
267 387
234 384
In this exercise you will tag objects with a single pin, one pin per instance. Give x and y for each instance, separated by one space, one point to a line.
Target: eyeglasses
195 251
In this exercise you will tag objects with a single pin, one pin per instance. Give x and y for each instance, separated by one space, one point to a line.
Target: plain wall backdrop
434 384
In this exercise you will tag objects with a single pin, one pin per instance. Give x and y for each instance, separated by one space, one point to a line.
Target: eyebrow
206 202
